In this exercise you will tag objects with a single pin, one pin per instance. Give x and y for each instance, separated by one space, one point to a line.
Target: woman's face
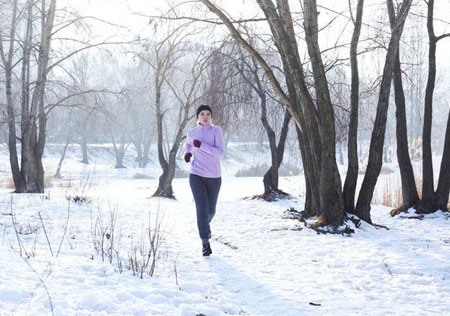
204 117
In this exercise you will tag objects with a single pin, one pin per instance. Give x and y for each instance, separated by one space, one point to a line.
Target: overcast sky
127 13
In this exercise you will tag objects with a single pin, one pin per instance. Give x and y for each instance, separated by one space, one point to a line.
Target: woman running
205 141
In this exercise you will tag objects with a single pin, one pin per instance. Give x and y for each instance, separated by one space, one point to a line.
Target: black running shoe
206 250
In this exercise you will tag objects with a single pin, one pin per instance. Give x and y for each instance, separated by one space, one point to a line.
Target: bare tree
409 190
163 55
431 200
317 121
29 177
36 60
352 151
8 65
251 72
327 198
187 96
377 139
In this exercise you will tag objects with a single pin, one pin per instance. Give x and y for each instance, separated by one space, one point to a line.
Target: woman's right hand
187 157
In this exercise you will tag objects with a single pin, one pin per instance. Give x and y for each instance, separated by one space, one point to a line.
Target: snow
262 263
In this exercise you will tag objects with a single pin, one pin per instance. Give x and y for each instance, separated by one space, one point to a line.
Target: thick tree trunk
312 204
166 178
443 189
120 153
352 147
164 190
7 58
377 140
427 161
409 190
331 210
166 185
270 180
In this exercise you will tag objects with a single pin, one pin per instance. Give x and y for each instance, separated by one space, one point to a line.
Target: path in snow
261 263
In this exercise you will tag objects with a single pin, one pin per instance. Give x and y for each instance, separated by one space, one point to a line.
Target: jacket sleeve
189 143
219 149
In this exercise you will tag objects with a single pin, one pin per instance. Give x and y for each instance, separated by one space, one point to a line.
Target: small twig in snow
45 232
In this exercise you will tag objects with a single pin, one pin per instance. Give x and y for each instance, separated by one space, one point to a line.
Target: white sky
123 12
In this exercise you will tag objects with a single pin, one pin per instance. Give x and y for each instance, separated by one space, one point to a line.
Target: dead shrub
144 252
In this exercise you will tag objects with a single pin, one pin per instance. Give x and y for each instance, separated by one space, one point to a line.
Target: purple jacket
206 161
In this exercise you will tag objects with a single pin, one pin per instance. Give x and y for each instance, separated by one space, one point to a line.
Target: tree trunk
119 150
63 156
427 156
377 140
18 178
164 190
443 189
25 102
312 205
270 180
352 146
36 133
84 149
166 178
409 190
331 210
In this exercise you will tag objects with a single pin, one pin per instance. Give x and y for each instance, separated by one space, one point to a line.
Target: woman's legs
206 192
213 185
200 193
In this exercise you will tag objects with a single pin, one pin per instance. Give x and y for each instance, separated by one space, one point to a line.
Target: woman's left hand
197 143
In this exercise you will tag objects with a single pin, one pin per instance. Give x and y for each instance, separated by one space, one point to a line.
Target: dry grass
390 195
10 184
389 192
47 182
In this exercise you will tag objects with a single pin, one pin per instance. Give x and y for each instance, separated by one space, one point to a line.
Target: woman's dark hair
204 107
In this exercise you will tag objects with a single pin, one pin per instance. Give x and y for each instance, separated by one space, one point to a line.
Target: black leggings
206 192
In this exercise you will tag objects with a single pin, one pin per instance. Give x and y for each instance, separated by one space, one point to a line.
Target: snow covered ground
262 263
